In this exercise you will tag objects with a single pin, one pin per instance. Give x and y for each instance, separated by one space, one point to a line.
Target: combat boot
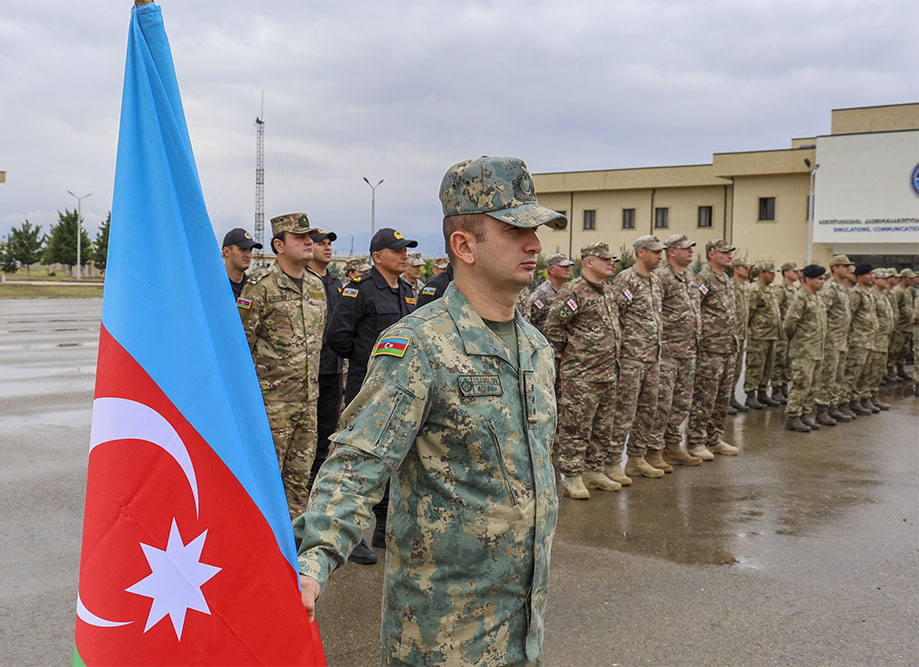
724 449
636 465
597 480
702 452
778 396
655 458
823 416
362 554
839 415
752 402
891 376
574 488
878 403
784 389
809 421
901 372
737 405
614 472
763 398
869 406
795 424
856 407
732 410
675 454
846 409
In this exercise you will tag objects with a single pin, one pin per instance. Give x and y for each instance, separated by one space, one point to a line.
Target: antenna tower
260 184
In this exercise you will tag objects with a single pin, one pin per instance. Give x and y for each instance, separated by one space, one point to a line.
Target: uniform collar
284 280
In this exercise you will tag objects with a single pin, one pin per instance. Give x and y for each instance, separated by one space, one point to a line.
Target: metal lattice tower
259 231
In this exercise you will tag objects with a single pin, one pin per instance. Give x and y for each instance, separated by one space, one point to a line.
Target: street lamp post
373 204
79 225
810 215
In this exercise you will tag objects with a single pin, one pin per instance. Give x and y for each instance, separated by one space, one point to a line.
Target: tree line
27 245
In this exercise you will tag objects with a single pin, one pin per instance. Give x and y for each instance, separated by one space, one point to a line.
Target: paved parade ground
802 550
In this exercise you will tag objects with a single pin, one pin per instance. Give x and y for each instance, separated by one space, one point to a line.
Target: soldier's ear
463 246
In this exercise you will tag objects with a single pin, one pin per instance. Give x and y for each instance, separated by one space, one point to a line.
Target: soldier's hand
309 591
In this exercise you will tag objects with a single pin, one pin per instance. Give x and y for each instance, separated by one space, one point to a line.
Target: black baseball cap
321 235
240 237
387 237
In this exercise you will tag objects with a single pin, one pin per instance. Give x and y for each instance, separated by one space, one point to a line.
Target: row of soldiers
639 354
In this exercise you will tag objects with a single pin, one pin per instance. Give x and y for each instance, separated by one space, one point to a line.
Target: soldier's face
742 271
720 259
602 267
768 277
507 254
412 272
817 282
237 258
559 272
322 250
650 259
296 247
393 261
681 256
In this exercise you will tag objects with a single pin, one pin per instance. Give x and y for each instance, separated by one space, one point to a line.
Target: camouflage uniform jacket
887 319
466 437
741 303
904 307
540 301
523 303
284 327
583 326
680 319
864 325
416 286
835 296
805 326
639 301
765 319
717 308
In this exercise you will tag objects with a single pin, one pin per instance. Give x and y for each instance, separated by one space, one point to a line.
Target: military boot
702 452
778 396
737 405
878 403
636 465
901 372
869 406
597 480
795 424
732 410
839 415
784 388
823 416
614 472
846 409
724 449
752 402
362 554
675 454
809 421
891 375
574 488
855 407
655 458
763 398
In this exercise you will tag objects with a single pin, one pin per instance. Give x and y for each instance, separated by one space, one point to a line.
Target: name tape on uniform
480 385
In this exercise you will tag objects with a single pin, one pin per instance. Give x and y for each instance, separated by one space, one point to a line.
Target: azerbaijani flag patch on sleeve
394 346
428 290
244 303
349 291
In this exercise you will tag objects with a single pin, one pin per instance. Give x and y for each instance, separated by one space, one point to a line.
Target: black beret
862 269
813 271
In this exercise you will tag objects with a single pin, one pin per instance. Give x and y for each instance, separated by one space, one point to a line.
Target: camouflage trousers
711 394
831 383
760 358
877 366
585 425
805 373
855 379
674 398
899 347
780 370
638 385
295 433
738 363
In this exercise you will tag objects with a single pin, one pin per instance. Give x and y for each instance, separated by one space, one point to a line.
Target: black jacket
438 284
329 362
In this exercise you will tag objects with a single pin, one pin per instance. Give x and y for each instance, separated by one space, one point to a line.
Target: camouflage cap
441 263
597 249
789 266
840 260
892 272
879 272
907 273
359 264
558 259
680 241
501 187
719 245
740 261
648 242
415 259
765 266
296 223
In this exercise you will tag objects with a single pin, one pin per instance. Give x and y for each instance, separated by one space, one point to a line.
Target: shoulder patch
349 291
628 294
428 291
571 303
703 289
539 304
393 346
244 303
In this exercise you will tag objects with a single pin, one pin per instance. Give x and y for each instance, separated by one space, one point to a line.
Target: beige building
758 200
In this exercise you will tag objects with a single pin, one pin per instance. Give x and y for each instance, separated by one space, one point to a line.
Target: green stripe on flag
77 660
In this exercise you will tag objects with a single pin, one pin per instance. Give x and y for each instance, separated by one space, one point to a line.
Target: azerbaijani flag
188 553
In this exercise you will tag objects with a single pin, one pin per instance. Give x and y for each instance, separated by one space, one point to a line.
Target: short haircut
474 223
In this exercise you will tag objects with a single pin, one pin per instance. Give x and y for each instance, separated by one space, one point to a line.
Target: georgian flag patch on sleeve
703 289
571 303
628 294
539 304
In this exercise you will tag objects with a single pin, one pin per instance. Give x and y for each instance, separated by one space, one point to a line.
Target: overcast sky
401 90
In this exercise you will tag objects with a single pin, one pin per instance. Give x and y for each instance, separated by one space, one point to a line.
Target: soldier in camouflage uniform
583 327
680 330
412 275
902 336
283 310
887 317
763 326
460 414
740 270
831 403
356 266
805 328
638 297
713 384
862 334
558 266
781 370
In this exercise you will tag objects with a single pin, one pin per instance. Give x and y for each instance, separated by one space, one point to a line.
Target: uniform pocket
500 455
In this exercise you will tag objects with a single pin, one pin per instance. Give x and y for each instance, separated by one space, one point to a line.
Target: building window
705 216
628 218
767 208
661 218
590 219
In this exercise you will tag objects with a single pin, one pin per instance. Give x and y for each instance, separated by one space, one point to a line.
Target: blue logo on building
914 179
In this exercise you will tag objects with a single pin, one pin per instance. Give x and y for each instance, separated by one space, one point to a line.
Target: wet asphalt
802 550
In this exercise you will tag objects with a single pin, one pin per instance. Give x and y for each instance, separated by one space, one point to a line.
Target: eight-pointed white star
175 581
